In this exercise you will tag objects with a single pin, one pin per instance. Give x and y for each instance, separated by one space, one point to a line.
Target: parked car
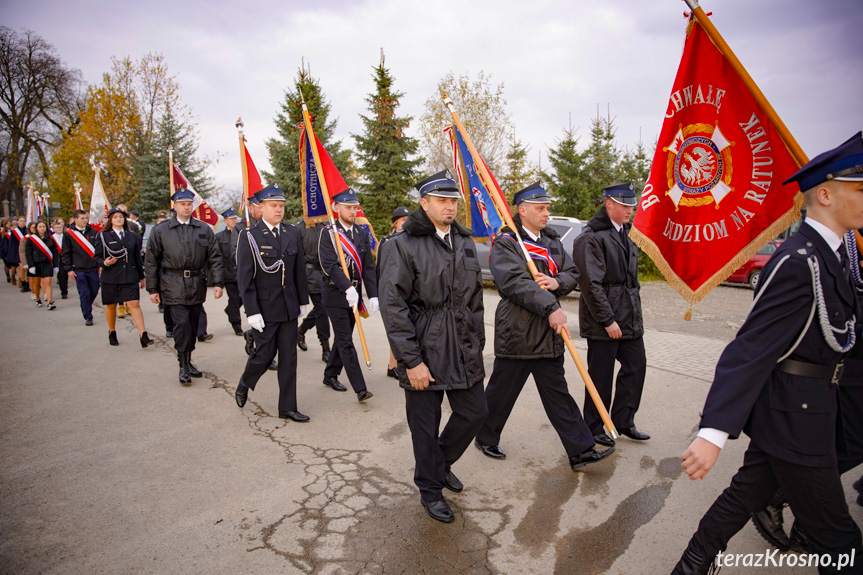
568 228
751 270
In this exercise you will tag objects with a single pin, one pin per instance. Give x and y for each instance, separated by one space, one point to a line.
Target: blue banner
483 218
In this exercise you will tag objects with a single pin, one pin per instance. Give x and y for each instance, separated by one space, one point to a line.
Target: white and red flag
715 195
99 204
200 209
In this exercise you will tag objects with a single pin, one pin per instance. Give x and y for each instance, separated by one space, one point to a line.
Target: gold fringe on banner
695 296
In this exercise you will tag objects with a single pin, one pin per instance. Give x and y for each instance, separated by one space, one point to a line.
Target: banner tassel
688 315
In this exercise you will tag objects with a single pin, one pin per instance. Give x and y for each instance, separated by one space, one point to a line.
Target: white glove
373 306
56 271
352 296
32 271
304 309
257 322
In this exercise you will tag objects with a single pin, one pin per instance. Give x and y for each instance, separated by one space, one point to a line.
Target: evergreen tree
152 169
284 150
566 179
519 171
635 166
385 153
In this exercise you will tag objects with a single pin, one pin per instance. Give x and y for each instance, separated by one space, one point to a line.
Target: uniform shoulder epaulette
804 250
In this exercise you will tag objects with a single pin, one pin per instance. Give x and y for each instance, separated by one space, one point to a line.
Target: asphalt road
108 465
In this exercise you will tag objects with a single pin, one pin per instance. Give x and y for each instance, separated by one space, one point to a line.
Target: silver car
568 228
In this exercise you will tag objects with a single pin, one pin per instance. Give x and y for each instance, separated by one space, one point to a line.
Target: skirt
43 270
118 293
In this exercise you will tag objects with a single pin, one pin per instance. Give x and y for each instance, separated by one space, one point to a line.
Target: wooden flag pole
171 173
310 135
750 84
503 209
239 124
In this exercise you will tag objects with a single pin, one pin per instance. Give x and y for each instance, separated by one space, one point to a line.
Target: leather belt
184 273
813 370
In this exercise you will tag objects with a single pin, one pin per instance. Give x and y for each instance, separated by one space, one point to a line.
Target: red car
751 270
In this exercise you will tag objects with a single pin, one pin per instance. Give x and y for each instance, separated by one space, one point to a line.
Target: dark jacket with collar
521 329
73 255
13 255
35 256
278 295
431 303
311 236
790 417
229 260
608 278
179 256
126 270
335 283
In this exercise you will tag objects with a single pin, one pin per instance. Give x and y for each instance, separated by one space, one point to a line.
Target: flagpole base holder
369 364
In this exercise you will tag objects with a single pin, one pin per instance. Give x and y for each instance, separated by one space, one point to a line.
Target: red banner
252 175
715 195
202 211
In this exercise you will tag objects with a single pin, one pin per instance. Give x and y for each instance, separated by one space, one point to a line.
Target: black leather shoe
242 394
169 334
334 383
301 340
250 342
858 487
145 340
112 338
391 372
439 511
294 416
769 523
492 451
274 365
238 330
205 337
633 433
64 296
604 439
364 395
89 322
587 457
799 544
185 376
451 482
694 562
193 371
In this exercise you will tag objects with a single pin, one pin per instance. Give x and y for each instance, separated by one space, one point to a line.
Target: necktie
276 231
120 234
446 240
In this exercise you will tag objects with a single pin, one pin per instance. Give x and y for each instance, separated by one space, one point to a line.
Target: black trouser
169 320
63 279
435 452
186 321
87 282
814 493
234 303
506 383
317 317
282 337
601 355
343 352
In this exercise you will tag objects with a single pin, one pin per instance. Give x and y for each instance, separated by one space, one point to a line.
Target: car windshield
767 250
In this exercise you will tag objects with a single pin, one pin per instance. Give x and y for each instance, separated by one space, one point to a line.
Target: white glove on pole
352 296
33 272
373 306
257 322
304 309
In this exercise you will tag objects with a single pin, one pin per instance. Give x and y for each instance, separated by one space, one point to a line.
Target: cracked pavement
108 465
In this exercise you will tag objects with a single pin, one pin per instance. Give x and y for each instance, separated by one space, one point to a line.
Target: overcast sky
554 58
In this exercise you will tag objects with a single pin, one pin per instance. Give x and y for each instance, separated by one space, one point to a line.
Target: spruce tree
386 155
152 169
566 179
284 150
519 171
601 162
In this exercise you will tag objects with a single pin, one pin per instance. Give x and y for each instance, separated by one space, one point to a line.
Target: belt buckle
837 372
187 274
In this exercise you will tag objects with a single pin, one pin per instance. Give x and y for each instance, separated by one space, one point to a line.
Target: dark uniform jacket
276 296
608 279
788 416
229 260
431 303
521 329
235 235
13 255
36 256
177 260
126 270
74 257
335 284
311 237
